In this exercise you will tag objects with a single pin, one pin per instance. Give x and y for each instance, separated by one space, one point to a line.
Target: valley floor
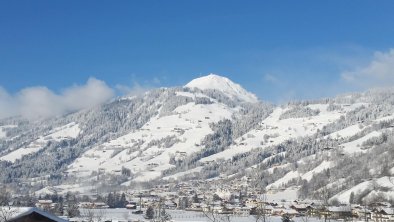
122 214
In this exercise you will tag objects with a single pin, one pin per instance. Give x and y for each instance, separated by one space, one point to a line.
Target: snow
181 174
295 174
347 132
122 214
355 146
385 182
3 130
386 118
189 124
324 165
2 133
17 154
70 130
284 180
65 188
272 169
279 131
224 85
191 95
288 194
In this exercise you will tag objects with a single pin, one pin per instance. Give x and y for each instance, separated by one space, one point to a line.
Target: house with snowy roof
340 212
384 214
27 214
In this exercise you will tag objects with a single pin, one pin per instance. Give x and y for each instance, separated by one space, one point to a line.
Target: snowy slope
324 165
138 152
224 85
355 146
3 130
68 131
181 174
279 130
347 132
118 139
385 182
284 180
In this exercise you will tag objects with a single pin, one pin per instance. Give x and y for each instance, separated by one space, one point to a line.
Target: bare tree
324 195
161 215
6 211
93 215
213 215
260 212
87 214
72 205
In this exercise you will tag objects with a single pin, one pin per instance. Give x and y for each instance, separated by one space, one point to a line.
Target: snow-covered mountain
224 85
211 129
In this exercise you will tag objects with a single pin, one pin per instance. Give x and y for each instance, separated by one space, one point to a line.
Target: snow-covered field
355 145
122 214
63 189
288 194
181 174
347 132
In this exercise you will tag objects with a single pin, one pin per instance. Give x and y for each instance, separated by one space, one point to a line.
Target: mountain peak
223 84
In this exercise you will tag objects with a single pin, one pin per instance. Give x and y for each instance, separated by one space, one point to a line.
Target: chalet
93 205
100 205
195 206
131 205
170 205
241 211
361 212
279 211
341 212
383 214
29 214
301 208
45 204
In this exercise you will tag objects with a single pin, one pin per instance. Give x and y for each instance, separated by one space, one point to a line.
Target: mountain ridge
188 133
223 84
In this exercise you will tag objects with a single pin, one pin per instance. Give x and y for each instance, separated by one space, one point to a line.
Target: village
237 199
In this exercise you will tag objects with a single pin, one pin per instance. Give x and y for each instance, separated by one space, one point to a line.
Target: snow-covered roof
340 209
14 213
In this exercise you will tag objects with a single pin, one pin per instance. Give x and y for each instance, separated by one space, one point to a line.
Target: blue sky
279 50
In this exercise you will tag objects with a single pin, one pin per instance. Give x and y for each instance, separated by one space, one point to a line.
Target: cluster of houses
235 198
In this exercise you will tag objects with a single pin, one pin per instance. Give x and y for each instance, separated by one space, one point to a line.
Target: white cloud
134 90
379 72
40 102
7 104
95 92
271 78
137 88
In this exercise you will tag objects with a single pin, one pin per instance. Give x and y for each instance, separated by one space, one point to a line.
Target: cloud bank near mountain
41 102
